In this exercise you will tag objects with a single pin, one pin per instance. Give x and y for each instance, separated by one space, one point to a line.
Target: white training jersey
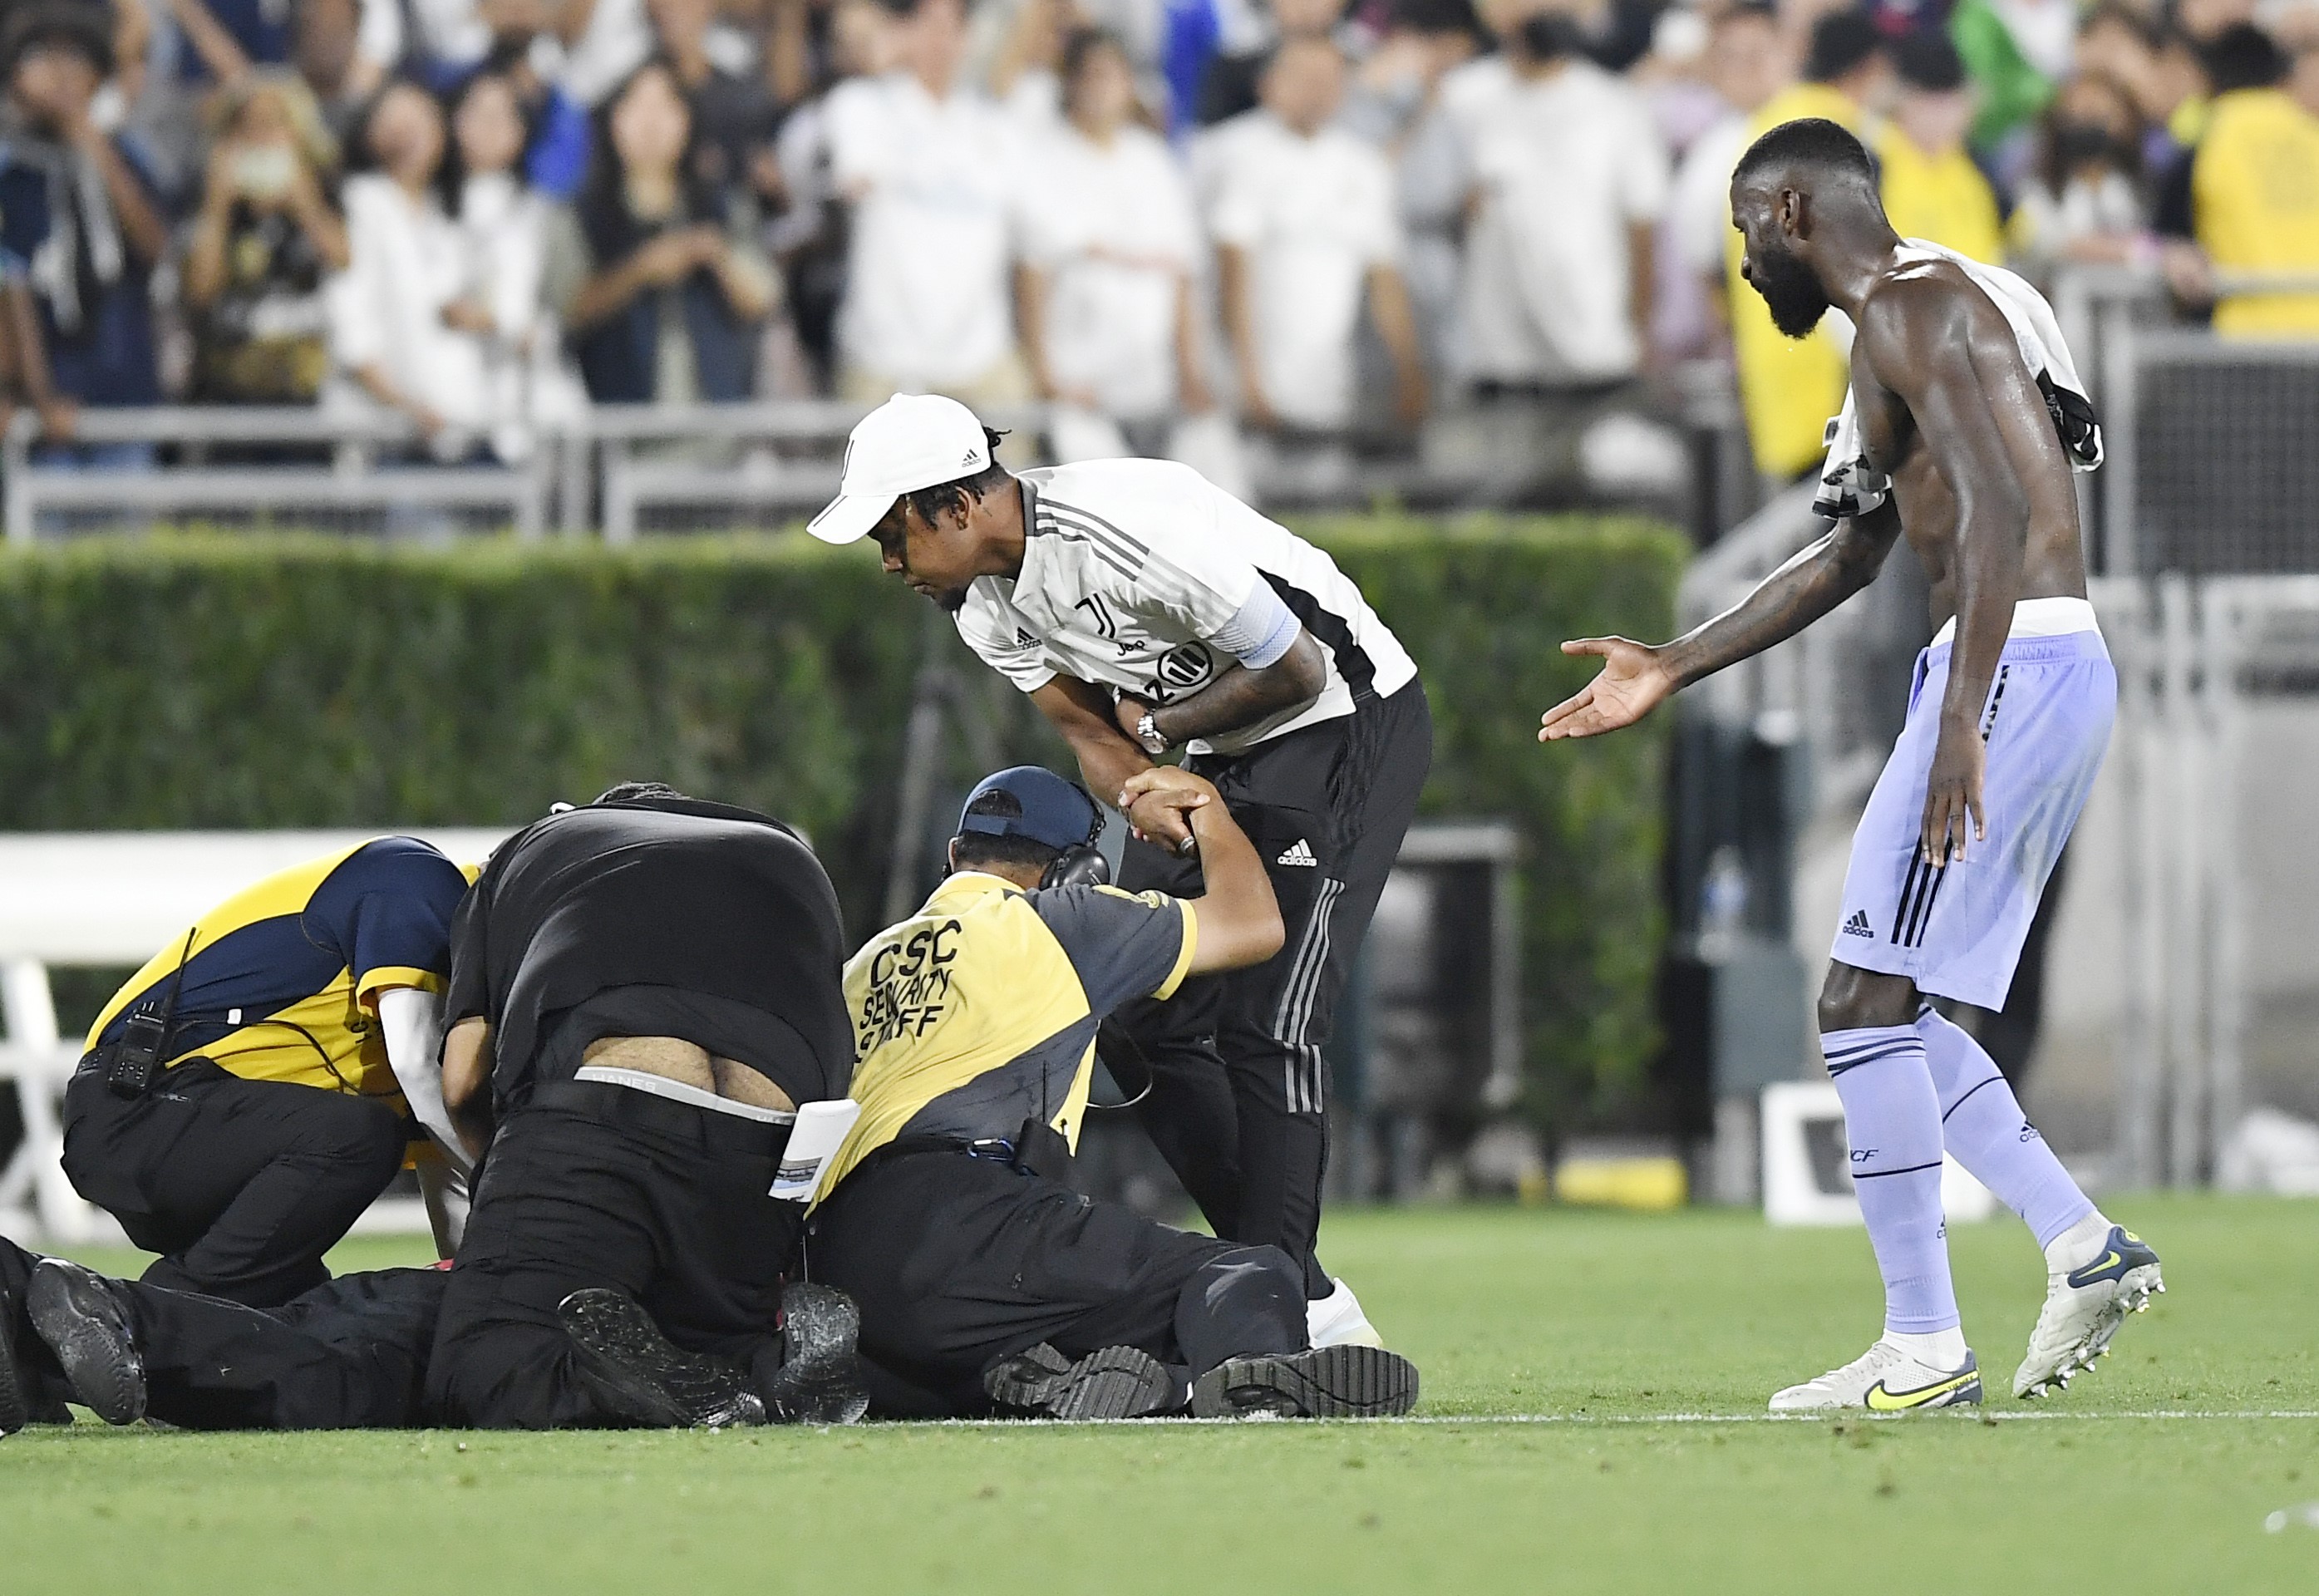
1132 568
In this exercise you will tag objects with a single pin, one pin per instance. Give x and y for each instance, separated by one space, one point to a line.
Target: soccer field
1591 1422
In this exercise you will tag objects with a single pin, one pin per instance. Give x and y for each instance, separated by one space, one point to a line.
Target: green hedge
215 682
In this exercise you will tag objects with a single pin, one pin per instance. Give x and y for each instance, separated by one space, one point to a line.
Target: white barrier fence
111 898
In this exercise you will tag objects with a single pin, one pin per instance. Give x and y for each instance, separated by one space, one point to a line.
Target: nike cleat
640 1377
86 1324
820 1377
2084 1309
1114 1382
1341 1381
1885 1379
1337 1321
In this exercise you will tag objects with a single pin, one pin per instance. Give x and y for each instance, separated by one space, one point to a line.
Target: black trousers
240 1185
348 1355
957 1262
1239 1087
588 1184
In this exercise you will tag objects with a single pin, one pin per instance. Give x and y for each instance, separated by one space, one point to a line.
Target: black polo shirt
654 918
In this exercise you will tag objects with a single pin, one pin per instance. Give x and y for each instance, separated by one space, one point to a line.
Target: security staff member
244 1097
1144 609
642 990
982 1276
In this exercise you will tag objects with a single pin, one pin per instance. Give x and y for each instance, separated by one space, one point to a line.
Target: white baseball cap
912 441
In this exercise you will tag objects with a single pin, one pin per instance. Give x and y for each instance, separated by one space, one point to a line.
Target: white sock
2078 1245
1938 1350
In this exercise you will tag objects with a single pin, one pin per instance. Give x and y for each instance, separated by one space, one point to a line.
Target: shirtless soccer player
1964 421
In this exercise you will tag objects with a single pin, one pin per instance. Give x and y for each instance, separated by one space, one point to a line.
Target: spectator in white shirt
1304 224
808 237
1569 182
936 176
502 227
1106 301
1748 61
394 324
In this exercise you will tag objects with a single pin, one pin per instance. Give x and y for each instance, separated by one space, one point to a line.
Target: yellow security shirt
1787 387
980 1012
281 982
2254 188
1942 199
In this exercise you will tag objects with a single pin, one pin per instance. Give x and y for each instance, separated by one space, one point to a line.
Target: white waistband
2038 618
676 1091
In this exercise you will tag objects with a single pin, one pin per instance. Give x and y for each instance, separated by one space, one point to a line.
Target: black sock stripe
1953 1107
1880 1174
1839 1066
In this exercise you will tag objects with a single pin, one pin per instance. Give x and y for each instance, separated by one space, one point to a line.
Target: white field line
2158 1415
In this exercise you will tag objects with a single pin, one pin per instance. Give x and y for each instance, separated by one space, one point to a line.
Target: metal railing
1821 688
362 470
630 470
2194 658
2211 467
782 457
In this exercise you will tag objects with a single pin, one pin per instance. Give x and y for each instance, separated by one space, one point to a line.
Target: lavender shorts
1956 931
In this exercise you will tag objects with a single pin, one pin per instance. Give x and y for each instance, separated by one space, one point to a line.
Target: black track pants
1240 1088
240 1185
348 1355
590 1184
957 1262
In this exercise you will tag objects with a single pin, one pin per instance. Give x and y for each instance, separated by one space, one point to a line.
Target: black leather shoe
1112 1383
1327 1382
639 1376
82 1318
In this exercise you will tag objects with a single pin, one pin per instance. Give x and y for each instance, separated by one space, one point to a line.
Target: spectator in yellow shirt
1932 190
1789 388
2254 182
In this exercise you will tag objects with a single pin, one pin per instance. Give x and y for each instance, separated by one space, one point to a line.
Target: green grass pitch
1558 1350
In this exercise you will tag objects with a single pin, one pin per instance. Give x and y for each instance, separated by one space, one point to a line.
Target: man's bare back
1925 300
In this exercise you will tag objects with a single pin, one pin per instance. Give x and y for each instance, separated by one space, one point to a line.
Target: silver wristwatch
1146 732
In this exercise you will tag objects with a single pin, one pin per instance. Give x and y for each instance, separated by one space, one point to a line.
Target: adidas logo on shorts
1858 924
1300 851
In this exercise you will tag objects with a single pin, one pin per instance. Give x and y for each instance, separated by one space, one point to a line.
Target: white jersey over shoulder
1849 485
1131 570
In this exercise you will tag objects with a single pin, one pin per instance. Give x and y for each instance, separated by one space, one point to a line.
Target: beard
1792 294
950 600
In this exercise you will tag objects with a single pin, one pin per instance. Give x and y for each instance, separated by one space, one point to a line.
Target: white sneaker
1337 1321
1884 1379
2084 1308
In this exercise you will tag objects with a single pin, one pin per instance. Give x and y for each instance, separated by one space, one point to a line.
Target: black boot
83 1319
638 1375
1114 1382
1327 1382
819 1381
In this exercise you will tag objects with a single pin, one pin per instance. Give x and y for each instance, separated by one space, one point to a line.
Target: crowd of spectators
1180 222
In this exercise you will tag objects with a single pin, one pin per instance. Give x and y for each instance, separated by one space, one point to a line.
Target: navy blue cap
1050 810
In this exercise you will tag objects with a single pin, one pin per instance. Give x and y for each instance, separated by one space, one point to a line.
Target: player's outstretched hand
1629 686
1159 804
